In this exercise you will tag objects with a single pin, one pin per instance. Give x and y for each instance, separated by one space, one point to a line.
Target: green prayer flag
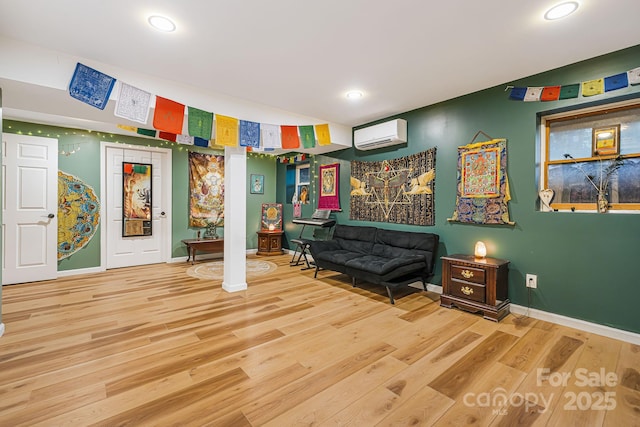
146 132
569 91
200 123
307 136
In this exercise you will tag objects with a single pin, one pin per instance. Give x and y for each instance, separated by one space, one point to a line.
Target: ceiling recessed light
162 23
354 94
561 10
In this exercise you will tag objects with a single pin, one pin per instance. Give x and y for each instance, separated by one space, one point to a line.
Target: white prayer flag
132 103
184 139
533 94
634 76
270 135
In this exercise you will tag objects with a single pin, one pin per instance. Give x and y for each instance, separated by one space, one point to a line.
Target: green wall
585 262
85 164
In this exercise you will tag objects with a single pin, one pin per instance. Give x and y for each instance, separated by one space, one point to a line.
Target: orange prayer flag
168 115
322 134
290 138
550 93
226 131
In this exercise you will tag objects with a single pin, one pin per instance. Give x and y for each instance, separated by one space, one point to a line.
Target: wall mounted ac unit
381 135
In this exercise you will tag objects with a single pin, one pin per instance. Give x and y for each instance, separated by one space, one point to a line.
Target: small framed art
257 184
606 141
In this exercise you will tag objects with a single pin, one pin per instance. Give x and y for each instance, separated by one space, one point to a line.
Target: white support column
235 222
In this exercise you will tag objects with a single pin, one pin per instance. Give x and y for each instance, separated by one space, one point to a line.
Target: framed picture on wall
605 141
136 199
256 184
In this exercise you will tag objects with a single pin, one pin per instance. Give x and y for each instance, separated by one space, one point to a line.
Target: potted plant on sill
603 180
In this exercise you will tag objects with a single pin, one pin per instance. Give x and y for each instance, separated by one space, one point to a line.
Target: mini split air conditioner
381 135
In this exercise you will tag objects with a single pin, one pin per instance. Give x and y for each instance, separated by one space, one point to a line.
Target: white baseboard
582 325
1 329
67 273
558 319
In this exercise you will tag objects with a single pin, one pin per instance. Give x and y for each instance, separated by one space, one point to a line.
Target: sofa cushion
424 244
340 256
381 265
356 246
355 232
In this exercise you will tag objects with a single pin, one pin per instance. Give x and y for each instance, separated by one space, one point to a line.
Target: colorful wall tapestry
329 187
399 191
136 199
78 214
206 189
483 187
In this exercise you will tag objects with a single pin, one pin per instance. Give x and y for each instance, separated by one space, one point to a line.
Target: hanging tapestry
329 187
483 187
399 191
206 189
78 214
136 199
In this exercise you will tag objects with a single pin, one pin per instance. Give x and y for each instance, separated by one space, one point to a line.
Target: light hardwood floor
152 346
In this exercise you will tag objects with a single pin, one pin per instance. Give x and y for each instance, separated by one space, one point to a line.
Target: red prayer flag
168 115
550 93
290 138
167 136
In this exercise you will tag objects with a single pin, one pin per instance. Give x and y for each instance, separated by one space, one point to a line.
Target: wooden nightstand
269 242
476 285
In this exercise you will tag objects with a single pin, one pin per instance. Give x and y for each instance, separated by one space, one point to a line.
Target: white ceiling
302 57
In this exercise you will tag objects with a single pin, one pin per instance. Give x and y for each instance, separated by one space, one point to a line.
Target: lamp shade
480 250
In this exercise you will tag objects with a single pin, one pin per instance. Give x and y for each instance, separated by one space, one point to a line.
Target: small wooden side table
270 242
476 285
203 245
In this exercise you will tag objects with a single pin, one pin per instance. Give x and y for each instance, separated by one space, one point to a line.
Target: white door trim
167 190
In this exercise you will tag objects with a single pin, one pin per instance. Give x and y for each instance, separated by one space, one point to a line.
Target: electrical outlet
532 281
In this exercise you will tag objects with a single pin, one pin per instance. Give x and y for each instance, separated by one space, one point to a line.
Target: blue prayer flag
91 86
618 81
249 134
200 142
518 93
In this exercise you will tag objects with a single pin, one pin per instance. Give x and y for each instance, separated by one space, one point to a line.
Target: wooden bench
202 245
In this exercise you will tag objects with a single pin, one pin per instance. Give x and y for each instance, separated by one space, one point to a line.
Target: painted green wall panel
585 262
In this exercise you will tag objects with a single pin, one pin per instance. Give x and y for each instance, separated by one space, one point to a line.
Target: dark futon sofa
383 257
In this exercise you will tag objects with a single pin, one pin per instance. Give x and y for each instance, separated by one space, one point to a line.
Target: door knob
162 213
50 216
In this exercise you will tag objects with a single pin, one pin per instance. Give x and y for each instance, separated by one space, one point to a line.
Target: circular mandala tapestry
78 214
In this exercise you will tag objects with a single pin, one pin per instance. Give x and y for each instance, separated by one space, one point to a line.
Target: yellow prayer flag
129 128
322 134
226 131
593 87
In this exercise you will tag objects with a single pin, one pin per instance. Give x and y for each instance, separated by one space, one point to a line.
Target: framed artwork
136 199
271 217
606 141
256 184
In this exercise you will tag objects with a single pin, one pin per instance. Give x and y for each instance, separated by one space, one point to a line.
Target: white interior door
137 250
29 209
